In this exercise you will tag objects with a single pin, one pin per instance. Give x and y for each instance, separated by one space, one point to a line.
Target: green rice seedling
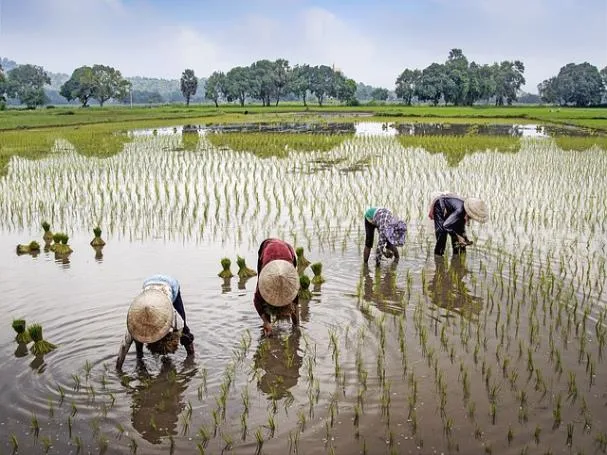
317 270
51 408
243 270
78 443
302 262
510 435
74 409
536 434
204 435
47 443
244 426
23 335
35 426
133 446
493 412
226 272
69 426
271 425
301 420
601 440
103 442
471 410
14 442
304 292
259 441
40 346
569 434
556 412
76 379
228 441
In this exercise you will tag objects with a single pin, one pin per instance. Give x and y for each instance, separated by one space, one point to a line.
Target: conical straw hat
150 316
278 283
476 209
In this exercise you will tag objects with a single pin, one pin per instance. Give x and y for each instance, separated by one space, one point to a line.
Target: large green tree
508 81
431 82
323 84
109 84
81 85
344 88
379 94
456 81
282 78
406 84
189 85
301 81
238 85
26 82
215 87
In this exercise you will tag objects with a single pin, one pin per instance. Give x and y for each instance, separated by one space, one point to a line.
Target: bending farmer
391 234
277 284
156 317
451 213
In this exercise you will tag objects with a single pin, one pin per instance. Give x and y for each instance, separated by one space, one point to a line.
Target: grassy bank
13 119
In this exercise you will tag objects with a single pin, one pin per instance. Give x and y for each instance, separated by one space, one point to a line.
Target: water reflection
278 357
158 401
381 288
448 290
38 364
21 350
98 253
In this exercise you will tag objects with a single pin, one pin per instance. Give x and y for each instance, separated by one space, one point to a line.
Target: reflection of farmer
391 234
279 357
382 287
157 402
157 317
448 290
451 213
277 284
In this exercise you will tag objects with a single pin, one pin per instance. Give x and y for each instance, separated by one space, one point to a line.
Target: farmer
391 234
451 213
277 283
157 317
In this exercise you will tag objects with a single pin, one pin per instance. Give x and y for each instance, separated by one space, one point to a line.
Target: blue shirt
165 280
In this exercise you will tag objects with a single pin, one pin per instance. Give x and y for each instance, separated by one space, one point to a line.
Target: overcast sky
370 41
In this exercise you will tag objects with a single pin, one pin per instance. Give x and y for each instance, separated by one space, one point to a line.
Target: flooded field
501 351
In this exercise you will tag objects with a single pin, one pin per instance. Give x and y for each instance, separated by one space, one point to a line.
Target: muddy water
425 356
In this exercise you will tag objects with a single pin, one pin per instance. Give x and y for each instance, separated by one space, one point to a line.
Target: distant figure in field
451 213
391 230
156 317
277 283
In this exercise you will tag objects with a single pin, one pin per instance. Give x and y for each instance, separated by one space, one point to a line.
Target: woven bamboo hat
476 209
278 283
150 316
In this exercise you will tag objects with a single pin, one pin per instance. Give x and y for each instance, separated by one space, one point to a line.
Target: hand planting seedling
23 335
243 270
226 272
40 346
97 241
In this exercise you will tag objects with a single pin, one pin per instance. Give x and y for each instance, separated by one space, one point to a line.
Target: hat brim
150 316
278 283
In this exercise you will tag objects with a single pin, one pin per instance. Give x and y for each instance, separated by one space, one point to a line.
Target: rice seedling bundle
243 270
32 247
304 288
226 272
317 269
97 240
40 346
302 262
48 235
23 335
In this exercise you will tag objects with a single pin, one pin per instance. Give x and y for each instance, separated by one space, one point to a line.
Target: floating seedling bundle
226 272
317 269
304 288
32 247
302 262
97 241
60 245
22 334
243 270
40 346
48 235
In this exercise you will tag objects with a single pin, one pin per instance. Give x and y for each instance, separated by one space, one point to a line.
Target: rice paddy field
499 351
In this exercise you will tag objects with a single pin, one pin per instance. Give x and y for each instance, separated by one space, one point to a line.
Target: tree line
457 81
